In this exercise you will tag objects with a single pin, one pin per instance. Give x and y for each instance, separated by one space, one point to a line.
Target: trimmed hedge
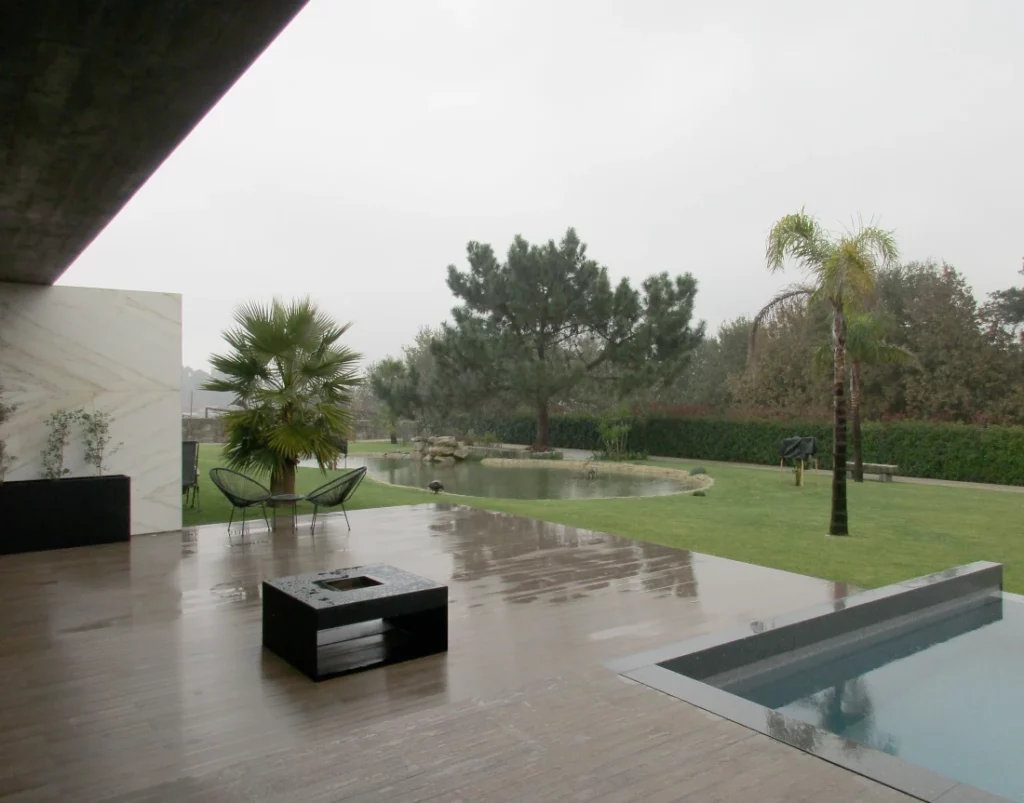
961 452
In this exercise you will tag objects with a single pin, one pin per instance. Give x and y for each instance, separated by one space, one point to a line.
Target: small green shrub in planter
697 470
59 424
60 511
96 438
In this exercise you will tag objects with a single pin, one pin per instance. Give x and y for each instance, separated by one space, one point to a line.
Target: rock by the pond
433 449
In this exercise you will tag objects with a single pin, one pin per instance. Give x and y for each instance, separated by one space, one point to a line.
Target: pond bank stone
439 449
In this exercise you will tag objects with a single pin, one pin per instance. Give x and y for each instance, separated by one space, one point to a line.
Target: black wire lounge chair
336 492
190 473
241 491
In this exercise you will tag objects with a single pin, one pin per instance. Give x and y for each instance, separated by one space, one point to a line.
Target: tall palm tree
839 271
294 382
866 345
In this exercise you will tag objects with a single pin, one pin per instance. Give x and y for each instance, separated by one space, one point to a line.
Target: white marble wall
112 350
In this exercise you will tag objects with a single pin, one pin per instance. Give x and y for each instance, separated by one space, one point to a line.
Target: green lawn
900 530
216 508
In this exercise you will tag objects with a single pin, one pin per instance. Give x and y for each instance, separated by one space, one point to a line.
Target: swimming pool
937 697
918 685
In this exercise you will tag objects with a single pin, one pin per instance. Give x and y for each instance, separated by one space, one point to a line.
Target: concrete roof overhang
94 96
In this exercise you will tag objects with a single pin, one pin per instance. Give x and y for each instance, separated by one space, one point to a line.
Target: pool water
949 696
471 478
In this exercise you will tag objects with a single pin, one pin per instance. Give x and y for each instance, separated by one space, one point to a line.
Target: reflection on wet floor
537 560
532 560
496 557
156 643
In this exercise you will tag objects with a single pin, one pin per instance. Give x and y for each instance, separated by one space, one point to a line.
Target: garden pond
538 480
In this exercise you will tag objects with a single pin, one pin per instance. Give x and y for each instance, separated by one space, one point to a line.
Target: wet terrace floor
135 672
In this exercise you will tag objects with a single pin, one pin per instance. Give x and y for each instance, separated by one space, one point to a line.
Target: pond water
474 479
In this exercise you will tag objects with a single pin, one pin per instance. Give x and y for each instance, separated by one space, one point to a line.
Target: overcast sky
372 140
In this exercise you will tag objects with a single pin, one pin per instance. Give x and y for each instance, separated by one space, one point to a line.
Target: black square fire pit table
347 620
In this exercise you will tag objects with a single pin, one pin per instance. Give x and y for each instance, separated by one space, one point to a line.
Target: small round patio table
294 500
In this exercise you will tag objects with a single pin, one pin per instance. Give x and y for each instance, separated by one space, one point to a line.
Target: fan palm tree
839 271
294 382
865 345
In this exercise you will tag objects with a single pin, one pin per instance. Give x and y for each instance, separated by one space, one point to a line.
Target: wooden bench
884 471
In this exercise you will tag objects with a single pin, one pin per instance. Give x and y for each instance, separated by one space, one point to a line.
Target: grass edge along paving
899 530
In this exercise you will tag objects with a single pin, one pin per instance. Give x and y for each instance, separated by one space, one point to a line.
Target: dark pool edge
711 654
708 655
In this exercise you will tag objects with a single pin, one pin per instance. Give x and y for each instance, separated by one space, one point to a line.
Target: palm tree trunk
283 482
840 591
838 524
543 426
858 451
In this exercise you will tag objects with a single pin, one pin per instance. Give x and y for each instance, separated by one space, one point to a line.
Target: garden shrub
614 437
992 454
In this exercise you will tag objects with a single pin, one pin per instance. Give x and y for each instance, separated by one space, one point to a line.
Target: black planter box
36 515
